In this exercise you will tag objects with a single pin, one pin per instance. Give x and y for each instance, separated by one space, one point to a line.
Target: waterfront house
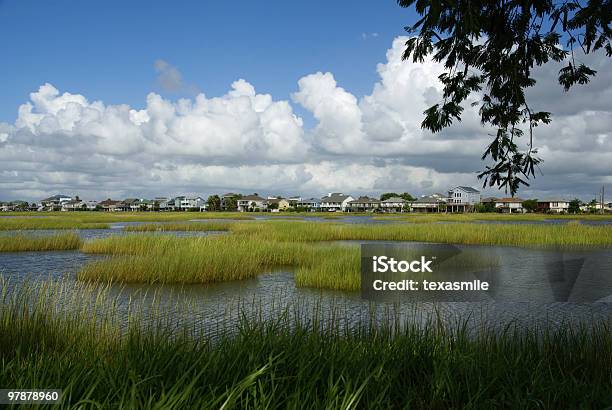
393 204
73 205
251 203
312 204
363 204
335 201
277 204
192 203
428 203
227 200
462 199
553 205
509 205
110 205
54 203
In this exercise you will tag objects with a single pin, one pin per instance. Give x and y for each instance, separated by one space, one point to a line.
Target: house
294 200
462 199
277 204
91 205
251 203
312 204
363 204
6 206
393 204
129 204
553 205
191 203
509 205
73 205
55 202
228 201
109 205
428 203
335 201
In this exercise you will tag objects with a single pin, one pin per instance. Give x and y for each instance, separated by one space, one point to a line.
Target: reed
22 243
570 235
21 224
178 226
83 346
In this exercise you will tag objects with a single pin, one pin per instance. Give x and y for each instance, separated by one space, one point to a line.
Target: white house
363 204
312 204
554 205
462 198
428 204
509 205
251 203
189 204
393 204
335 201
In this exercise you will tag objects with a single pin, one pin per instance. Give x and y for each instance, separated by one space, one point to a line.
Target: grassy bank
23 243
255 247
291 363
567 235
174 226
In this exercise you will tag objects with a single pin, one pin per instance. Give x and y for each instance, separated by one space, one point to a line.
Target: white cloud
247 141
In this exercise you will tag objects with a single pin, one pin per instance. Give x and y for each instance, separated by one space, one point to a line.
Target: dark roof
467 189
513 200
394 199
428 200
490 199
251 198
334 197
365 200
56 197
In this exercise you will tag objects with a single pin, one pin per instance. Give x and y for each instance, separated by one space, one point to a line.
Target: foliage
214 203
574 206
530 205
492 46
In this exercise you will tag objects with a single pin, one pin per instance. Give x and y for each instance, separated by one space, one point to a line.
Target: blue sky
106 49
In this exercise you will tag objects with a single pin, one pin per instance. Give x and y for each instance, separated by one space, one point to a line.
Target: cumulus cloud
246 141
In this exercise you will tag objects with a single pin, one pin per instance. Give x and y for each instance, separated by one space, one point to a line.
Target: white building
335 201
462 198
393 204
509 205
251 203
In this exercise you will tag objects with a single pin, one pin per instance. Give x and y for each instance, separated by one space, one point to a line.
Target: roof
428 200
275 200
468 189
394 199
512 200
365 200
553 200
490 199
335 197
109 202
317 200
251 198
56 197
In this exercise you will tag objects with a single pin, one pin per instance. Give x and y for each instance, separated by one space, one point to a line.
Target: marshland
245 309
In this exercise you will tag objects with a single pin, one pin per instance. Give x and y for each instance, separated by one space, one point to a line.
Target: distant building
312 204
462 199
393 204
509 205
335 201
428 203
277 204
251 203
363 204
554 205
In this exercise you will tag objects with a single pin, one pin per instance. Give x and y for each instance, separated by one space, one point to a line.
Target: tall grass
19 224
571 235
174 226
57 242
287 362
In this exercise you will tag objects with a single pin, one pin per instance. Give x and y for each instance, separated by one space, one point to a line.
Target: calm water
220 305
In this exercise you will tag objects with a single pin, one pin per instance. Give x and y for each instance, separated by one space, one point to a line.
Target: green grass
178 226
23 243
255 247
471 217
54 337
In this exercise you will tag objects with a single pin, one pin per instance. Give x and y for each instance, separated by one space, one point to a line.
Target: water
222 305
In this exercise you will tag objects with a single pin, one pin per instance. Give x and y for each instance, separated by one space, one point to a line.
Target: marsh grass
180 226
20 224
83 346
22 243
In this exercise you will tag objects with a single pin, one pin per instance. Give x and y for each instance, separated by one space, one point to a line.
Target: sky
149 98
